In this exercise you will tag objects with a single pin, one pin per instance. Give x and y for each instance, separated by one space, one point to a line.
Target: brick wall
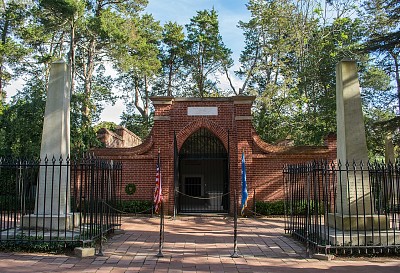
264 162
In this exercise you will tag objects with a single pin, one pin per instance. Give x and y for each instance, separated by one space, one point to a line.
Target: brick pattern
264 162
197 245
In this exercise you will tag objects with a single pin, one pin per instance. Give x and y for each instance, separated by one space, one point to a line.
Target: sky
230 12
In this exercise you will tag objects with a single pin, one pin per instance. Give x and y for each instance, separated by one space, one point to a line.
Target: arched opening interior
203 174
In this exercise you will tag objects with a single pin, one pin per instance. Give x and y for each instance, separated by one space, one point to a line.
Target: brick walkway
195 244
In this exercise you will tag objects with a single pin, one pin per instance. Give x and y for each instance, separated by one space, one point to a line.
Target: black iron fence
350 208
58 200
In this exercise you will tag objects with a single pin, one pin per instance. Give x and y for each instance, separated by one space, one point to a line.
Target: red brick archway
183 117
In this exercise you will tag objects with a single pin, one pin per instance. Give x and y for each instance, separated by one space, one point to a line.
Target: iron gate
201 174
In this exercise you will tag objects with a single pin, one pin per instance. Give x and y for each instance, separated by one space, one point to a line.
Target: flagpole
159 202
160 245
235 254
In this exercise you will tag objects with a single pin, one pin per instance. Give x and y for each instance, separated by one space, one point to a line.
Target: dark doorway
203 184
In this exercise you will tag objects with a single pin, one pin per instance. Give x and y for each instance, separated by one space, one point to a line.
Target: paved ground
195 244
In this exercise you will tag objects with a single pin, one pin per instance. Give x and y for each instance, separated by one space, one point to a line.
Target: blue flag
244 185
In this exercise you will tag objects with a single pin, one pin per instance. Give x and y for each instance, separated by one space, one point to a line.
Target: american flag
157 190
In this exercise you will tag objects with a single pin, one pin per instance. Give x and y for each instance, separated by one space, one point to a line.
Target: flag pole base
235 255
160 255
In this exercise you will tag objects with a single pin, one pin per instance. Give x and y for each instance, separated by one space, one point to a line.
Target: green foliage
206 52
105 124
138 63
9 203
22 122
302 207
381 81
376 132
83 135
63 9
296 208
270 208
12 16
136 206
382 23
291 70
172 53
137 124
24 243
375 79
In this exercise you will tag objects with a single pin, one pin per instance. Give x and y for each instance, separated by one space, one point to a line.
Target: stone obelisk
53 189
351 139
354 200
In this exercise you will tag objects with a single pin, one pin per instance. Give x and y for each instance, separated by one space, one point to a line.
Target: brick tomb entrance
201 141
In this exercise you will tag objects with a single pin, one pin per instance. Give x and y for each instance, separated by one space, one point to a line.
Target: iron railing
58 200
350 208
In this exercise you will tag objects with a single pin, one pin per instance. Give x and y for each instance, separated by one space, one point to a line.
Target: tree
382 81
172 51
21 122
66 12
289 63
90 35
206 53
136 123
12 15
139 64
383 37
101 30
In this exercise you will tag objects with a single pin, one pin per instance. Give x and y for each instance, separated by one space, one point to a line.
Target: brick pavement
195 244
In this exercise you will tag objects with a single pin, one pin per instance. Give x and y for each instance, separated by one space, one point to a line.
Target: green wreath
130 188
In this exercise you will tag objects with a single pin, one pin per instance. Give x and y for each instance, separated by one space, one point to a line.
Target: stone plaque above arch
202 111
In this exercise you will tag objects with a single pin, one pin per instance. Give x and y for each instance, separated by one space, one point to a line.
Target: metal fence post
101 229
235 254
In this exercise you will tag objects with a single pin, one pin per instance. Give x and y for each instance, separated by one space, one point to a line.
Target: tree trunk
252 67
200 72
137 99
146 98
72 58
170 73
88 78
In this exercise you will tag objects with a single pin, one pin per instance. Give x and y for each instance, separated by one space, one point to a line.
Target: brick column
243 136
164 142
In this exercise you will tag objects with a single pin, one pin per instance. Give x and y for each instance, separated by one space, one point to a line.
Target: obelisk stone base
338 237
358 222
51 222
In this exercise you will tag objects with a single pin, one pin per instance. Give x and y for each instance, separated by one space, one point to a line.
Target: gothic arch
192 127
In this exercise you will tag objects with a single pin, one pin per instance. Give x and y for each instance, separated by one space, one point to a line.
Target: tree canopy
117 50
